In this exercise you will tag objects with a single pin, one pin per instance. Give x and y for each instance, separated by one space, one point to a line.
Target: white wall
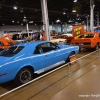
34 28
56 27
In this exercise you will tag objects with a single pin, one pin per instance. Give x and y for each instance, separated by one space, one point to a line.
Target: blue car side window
38 50
46 47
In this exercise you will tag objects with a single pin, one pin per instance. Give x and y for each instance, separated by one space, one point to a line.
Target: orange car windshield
86 36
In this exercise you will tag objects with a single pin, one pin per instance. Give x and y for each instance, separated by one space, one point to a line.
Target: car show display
49 49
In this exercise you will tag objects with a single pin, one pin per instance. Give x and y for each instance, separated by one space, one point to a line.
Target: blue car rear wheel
24 76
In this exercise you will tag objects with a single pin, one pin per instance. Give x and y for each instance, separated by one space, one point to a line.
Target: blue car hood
63 46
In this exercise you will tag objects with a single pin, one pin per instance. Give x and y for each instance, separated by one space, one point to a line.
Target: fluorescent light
13 21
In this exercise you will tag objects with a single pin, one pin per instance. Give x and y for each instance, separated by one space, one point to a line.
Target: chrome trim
50 67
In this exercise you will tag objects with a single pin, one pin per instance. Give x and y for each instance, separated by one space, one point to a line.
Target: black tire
71 54
1 49
79 49
96 47
24 76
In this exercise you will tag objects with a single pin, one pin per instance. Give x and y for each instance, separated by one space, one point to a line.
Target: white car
58 41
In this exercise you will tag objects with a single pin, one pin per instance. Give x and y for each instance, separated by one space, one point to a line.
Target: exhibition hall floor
81 83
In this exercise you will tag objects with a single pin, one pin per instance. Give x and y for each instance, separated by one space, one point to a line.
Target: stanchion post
98 54
69 72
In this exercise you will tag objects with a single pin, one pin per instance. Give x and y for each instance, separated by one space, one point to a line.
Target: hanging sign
77 30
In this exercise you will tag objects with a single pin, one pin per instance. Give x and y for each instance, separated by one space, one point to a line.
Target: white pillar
45 18
97 19
87 23
27 28
52 26
65 27
92 15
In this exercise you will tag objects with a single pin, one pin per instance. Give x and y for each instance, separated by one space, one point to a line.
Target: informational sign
73 59
77 30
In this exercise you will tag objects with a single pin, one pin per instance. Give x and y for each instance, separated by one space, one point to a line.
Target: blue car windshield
11 51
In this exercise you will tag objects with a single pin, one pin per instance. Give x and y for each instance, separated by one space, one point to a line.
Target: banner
77 30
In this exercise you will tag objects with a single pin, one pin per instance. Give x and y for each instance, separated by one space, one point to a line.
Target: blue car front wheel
71 54
24 76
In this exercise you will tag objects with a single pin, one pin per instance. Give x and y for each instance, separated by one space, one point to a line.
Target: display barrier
69 69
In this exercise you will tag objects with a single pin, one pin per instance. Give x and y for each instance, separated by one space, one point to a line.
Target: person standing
43 36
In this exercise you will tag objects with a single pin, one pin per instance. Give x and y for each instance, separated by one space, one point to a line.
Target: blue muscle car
22 61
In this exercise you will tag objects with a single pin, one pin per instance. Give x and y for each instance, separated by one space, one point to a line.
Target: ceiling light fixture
30 21
17 21
21 10
21 23
73 10
75 1
64 13
15 7
13 21
24 16
70 20
58 20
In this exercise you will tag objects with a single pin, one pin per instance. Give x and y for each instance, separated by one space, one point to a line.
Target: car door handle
46 55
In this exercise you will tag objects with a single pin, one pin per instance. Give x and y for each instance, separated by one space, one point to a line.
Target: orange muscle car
88 40
6 42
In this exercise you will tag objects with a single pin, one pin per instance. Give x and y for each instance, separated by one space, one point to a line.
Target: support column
97 19
65 27
92 15
61 28
87 28
45 18
27 28
52 26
